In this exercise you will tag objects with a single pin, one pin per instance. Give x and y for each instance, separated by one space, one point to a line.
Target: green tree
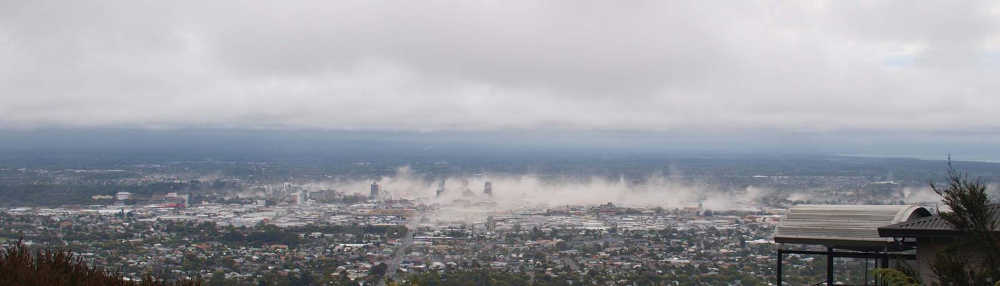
894 277
219 279
378 271
973 215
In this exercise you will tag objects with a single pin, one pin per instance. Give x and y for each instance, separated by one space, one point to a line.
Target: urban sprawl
290 234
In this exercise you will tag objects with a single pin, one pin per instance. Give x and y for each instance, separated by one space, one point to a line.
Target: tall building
488 188
300 197
491 224
375 190
440 189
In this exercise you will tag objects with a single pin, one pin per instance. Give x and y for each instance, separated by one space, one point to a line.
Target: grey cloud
474 65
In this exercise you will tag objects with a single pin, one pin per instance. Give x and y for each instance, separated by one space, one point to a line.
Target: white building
123 196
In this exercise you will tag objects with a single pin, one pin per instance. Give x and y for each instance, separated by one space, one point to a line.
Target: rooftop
843 226
933 226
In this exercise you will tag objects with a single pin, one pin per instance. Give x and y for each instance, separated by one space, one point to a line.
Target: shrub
19 266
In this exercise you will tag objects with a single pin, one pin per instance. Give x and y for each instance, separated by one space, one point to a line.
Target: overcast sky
796 66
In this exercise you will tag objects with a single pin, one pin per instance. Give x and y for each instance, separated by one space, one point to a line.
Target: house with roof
908 234
929 236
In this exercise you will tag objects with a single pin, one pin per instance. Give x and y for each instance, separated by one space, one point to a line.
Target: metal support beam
778 269
829 266
876 255
880 258
866 271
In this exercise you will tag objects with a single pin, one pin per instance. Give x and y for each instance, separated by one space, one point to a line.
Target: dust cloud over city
531 190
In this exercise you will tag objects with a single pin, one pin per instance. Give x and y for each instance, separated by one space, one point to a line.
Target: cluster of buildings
245 230
332 242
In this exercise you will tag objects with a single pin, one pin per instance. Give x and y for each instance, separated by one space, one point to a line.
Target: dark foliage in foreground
19 266
972 213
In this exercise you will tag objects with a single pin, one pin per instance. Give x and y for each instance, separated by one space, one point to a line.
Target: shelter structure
844 231
931 235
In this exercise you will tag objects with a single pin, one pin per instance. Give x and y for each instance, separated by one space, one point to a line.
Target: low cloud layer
486 65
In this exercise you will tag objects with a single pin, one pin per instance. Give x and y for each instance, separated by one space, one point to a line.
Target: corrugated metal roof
843 225
927 226
924 223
